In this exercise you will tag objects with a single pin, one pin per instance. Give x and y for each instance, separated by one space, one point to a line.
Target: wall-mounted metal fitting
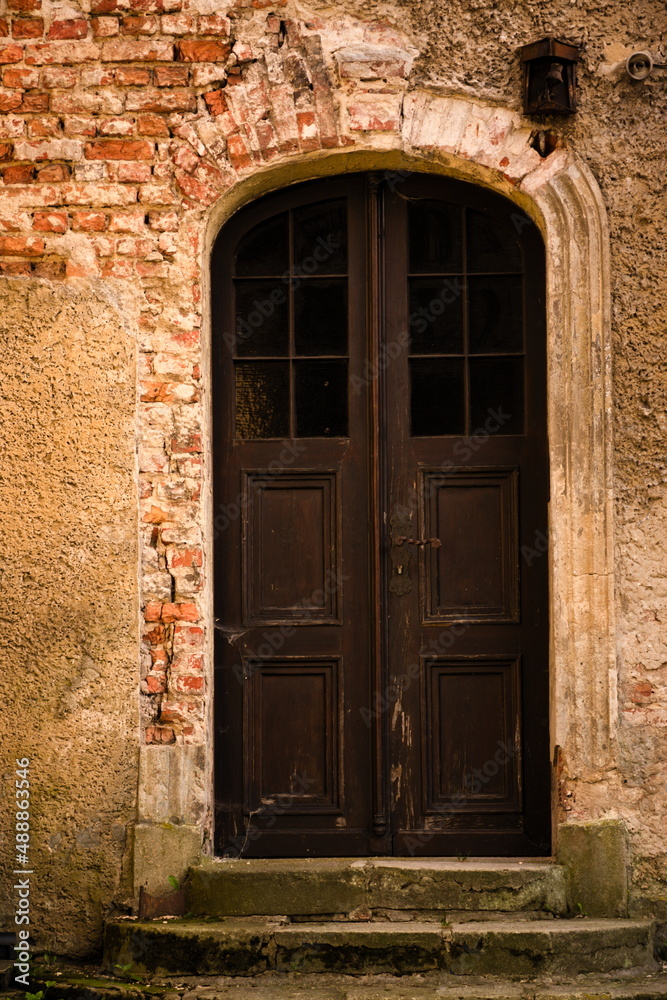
549 77
640 65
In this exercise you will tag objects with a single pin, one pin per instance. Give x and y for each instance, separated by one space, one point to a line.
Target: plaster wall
122 154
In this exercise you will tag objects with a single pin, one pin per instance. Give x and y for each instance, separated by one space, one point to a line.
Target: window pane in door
437 396
262 399
262 319
492 245
320 316
495 315
320 398
496 384
434 237
436 315
265 249
320 239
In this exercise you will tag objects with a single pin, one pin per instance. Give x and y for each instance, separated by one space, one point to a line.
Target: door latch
400 524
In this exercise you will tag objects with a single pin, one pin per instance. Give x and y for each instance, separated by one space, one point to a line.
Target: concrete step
249 947
382 888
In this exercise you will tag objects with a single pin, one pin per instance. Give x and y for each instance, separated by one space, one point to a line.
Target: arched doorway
380 466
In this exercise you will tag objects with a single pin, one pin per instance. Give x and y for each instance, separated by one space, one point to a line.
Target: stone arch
490 146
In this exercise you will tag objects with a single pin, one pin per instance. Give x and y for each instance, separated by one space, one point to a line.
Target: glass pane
496 389
435 237
437 397
265 249
496 315
492 245
262 318
320 238
320 316
262 399
320 396
436 315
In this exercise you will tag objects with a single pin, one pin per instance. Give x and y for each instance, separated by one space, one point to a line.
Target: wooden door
378 375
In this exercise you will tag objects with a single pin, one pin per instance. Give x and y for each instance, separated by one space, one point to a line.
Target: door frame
561 196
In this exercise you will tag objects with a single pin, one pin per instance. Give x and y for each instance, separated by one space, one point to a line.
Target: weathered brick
161 100
152 125
70 28
154 683
15 269
34 100
50 222
120 149
137 173
4 27
185 558
133 76
139 24
21 78
116 126
89 222
49 149
186 158
105 27
53 173
24 246
27 27
99 194
204 50
216 102
10 101
58 77
51 269
44 53
177 24
127 222
164 222
372 62
170 76
156 194
135 50
44 127
185 683
76 125
215 24
376 115
24 6
6 151
20 173
159 734
11 53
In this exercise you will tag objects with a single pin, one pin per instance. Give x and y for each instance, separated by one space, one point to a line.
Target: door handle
435 543
400 523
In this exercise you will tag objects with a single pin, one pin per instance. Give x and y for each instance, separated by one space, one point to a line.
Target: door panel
380 461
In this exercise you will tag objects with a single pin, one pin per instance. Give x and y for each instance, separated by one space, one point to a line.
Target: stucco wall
68 642
118 139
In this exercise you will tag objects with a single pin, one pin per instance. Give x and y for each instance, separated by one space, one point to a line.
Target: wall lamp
549 77
640 64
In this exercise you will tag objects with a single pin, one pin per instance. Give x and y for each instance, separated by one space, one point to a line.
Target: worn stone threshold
89 983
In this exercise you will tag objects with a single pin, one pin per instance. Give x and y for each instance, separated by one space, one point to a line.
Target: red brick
136 50
171 76
155 683
187 683
161 100
216 102
53 173
202 51
185 558
49 269
50 222
16 268
155 635
164 222
22 173
119 149
89 222
71 28
137 173
10 102
40 127
160 734
238 152
177 24
152 125
35 100
4 27
186 158
27 27
159 659
21 78
176 612
11 53
152 611
24 6
77 125
24 246
133 76
127 222
58 77
46 53
215 24
105 27
139 24
6 150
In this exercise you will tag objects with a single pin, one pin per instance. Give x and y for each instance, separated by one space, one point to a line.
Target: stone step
384 888
249 947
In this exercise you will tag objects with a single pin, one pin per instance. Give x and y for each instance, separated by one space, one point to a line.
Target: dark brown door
380 498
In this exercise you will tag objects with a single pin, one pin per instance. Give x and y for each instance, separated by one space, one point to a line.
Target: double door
380 512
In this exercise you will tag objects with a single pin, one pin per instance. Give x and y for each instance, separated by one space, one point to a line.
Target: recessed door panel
474 574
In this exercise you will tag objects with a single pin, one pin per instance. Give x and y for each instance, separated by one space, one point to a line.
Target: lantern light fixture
549 77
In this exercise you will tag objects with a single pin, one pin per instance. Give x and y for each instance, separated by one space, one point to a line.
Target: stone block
596 857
